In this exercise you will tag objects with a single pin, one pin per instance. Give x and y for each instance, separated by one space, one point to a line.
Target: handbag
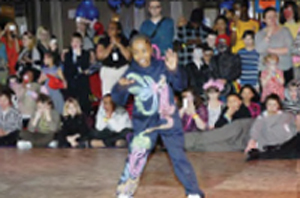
54 82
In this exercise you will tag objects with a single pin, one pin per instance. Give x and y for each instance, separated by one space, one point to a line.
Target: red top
12 55
225 37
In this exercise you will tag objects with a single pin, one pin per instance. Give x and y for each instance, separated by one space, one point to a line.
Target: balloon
114 3
92 13
140 3
87 3
80 13
227 4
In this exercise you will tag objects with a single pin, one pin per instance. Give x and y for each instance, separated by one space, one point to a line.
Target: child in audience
193 112
291 102
154 115
211 41
52 72
213 89
250 98
74 126
272 78
250 60
112 125
221 26
43 125
10 120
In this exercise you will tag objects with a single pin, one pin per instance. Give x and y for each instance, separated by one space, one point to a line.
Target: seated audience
193 112
273 128
43 41
198 71
43 125
10 120
112 125
74 130
291 102
211 40
214 105
250 98
272 78
234 110
50 74
221 26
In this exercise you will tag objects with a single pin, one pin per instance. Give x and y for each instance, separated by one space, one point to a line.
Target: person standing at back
241 23
158 28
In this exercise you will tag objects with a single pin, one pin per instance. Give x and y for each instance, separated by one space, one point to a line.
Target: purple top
188 122
254 109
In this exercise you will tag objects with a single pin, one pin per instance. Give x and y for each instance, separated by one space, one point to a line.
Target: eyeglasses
155 7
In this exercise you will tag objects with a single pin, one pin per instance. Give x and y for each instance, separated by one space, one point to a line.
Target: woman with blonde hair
29 58
43 41
74 126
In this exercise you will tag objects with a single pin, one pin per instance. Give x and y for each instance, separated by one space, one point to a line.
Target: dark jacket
243 112
197 77
226 66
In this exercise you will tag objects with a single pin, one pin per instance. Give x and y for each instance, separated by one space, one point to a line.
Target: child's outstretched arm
120 92
174 73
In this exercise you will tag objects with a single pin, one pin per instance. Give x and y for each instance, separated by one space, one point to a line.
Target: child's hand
171 60
125 82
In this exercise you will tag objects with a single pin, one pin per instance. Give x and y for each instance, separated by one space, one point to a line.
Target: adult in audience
250 99
10 120
193 112
191 35
198 71
158 28
74 131
53 46
277 40
50 74
43 125
87 33
113 51
289 17
12 44
241 23
270 130
43 41
234 110
76 65
112 125
29 57
249 58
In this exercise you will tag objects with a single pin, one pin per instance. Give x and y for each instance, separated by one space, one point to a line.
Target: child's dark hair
77 35
234 95
42 98
221 17
273 97
255 94
205 48
112 102
249 33
8 93
268 9
140 37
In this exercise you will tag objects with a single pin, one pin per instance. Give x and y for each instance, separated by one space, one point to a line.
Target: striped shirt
250 60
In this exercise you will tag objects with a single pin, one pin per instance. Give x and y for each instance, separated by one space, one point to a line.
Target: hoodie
154 106
289 104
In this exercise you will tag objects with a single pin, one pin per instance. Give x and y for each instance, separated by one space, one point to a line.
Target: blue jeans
139 150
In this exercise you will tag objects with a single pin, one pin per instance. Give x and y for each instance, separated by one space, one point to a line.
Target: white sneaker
194 196
124 196
24 145
53 144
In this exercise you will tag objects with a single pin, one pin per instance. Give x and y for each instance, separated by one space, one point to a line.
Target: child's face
233 102
293 91
247 94
142 52
71 110
207 55
221 25
107 104
47 60
249 42
213 95
76 43
4 102
211 40
272 106
272 65
198 53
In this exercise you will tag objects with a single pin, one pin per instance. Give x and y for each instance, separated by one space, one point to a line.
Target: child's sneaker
53 144
24 145
194 196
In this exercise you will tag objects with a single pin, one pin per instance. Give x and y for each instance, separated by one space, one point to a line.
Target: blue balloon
227 4
93 13
87 3
140 3
114 3
80 13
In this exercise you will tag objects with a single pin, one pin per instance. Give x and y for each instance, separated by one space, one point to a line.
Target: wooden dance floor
47 173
